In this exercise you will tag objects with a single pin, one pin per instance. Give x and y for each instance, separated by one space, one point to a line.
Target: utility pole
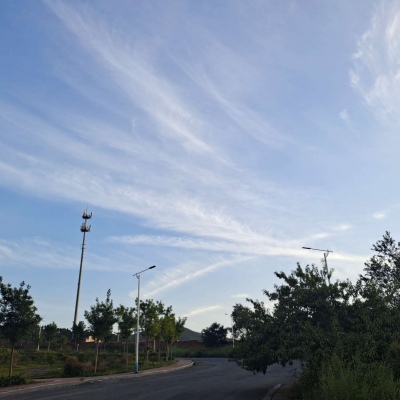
84 228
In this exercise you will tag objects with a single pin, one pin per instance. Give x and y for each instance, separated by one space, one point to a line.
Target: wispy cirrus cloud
376 71
240 296
203 310
178 276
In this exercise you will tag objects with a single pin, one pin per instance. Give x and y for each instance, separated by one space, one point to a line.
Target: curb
271 392
10 390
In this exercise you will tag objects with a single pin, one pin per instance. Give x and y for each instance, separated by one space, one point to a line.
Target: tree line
316 320
19 321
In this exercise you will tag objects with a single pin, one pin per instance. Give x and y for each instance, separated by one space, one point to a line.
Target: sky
213 139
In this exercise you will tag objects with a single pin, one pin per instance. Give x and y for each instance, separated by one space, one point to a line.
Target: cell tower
84 228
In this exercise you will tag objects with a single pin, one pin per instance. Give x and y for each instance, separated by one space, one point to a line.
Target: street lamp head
311 248
137 274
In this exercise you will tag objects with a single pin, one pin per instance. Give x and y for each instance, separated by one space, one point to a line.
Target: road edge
10 390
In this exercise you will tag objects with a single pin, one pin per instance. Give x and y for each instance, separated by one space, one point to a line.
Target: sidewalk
43 383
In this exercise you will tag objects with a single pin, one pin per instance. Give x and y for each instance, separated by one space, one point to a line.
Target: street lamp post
326 254
138 315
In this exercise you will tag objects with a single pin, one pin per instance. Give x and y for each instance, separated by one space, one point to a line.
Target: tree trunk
11 361
127 354
48 346
97 356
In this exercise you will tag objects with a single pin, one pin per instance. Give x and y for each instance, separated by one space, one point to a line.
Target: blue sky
213 139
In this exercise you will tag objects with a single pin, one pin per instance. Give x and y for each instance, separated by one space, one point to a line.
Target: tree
17 314
383 269
62 340
49 332
126 325
214 335
101 319
309 321
78 332
149 322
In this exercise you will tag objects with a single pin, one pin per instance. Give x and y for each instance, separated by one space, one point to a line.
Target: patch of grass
43 364
352 380
206 352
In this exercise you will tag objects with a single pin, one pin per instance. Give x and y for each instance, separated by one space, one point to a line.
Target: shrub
12 380
84 357
74 368
353 380
51 359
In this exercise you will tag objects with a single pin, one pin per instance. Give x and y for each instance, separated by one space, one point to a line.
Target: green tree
309 320
49 331
101 319
126 325
17 314
214 335
149 322
61 341
383 269
78 332
168 333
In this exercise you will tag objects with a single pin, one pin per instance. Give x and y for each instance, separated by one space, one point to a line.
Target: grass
206 352
352 380
43 364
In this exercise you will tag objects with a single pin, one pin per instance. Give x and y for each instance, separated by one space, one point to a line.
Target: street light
326 254
138 315
233 332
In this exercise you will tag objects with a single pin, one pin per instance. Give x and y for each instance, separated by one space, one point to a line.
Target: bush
37 356
84 357
74 368
394 358
12 380
353 380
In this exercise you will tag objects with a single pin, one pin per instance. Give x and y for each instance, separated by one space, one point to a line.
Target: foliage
74 368
351 380
17 314
78 333
312 319
214 335
383 269
126 325
126 321
207 352
12 380
354 326
160 324
149 319
101 319
61 341
49 331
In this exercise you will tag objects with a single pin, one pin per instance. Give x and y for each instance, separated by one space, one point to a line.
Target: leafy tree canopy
17 314
382 271
214 335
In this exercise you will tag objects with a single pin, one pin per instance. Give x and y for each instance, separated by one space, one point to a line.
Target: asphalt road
211 379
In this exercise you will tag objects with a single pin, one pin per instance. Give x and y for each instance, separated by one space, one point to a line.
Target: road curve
211 379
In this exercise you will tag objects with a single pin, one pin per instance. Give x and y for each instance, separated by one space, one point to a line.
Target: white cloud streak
203 310
376 72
